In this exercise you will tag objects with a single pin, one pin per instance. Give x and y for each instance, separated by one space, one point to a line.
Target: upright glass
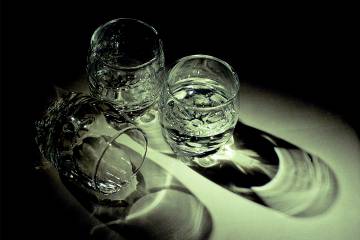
125 65
198 105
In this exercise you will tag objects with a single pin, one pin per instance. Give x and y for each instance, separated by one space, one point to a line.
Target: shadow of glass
272 172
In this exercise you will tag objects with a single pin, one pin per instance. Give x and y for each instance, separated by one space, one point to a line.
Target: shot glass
92 145
125 65
198 106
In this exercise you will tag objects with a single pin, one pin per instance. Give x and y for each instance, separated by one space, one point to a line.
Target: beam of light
244 160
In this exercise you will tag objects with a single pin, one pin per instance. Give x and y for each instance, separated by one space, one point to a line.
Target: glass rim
108 145
204 56
156 36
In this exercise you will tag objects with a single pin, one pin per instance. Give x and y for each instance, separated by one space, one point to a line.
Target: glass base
203 161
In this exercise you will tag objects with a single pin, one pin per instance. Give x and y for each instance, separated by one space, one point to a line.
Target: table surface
320 133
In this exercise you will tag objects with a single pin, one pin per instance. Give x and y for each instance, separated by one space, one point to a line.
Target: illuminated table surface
314 130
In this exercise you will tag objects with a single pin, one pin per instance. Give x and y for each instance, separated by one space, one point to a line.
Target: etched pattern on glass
205 125
85 138
125 65
130 90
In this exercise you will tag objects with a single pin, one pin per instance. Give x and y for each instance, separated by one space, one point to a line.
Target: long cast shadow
272 172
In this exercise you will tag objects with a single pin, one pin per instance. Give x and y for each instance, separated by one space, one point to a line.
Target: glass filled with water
198 106
125 65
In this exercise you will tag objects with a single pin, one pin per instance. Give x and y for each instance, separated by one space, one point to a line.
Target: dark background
304 51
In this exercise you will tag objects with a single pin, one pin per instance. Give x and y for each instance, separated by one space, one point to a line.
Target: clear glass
92 144
125 65
198 105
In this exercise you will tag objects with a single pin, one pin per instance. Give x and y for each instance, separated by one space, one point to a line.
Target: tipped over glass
92 144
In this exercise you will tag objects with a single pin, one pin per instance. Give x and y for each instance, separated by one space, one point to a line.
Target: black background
304 51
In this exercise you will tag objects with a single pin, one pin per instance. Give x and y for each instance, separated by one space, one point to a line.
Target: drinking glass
198 105
92 144
125 65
